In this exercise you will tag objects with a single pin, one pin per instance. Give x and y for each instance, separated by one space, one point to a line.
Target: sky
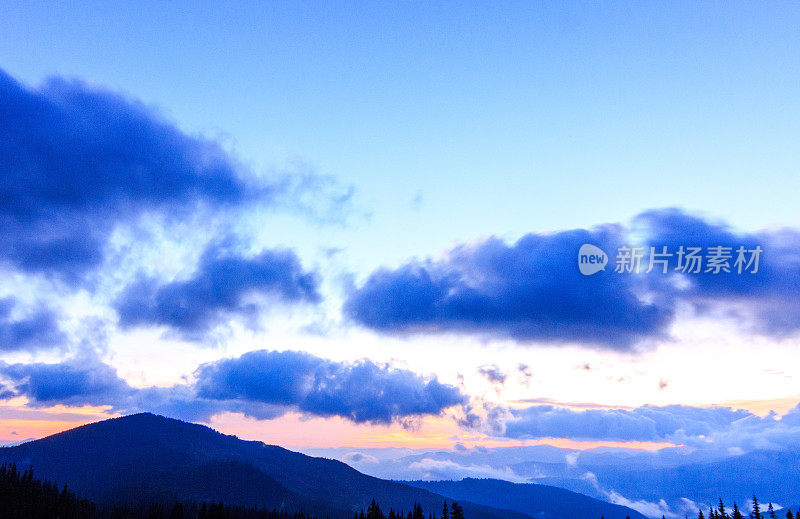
358 225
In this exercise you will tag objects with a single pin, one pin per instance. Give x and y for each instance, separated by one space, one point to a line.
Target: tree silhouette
756 513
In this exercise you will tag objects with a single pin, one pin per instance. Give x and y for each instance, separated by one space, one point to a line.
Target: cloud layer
362 391
768 299
529 291
37 330
647 423
532 291
77 160
262 384
218 289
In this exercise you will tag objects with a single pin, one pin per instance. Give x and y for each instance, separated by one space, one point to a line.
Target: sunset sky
317 228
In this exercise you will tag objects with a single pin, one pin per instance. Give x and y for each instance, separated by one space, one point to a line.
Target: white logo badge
591 259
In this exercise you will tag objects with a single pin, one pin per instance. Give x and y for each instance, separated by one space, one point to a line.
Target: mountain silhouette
145 457
539 501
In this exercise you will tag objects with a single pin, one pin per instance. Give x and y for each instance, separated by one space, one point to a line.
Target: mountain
772 475
538 501
146 457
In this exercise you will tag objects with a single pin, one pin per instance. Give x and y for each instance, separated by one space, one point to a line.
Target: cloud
361 392
219 288
359 457
493 373
532 291
529 291
723 430
77 160
78 381
435 470
261 384
525 373
769 299
644 507
646 423
6 393
37 330
571 458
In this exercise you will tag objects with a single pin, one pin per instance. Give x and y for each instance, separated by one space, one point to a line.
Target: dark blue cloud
532 290
216 290
770 297
529 291
361 391
6 392
86 380
76 160
38 330
78 381
262 384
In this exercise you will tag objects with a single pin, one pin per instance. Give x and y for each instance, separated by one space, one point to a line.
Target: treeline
195 511
720 512
453 511
22 496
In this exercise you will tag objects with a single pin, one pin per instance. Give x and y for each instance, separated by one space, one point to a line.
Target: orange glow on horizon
763 407
19 422
293 430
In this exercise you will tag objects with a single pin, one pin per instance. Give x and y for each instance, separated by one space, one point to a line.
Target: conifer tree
756 513
736 513
374 511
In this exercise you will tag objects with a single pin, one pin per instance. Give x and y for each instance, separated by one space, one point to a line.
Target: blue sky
377 200
504 118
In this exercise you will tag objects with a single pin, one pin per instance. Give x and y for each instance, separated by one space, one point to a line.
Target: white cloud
431 469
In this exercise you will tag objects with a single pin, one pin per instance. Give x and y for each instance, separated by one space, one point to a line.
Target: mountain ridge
532 499
154 456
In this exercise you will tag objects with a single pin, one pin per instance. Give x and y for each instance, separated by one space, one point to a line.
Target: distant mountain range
145 457
772 475
538 501
671 482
